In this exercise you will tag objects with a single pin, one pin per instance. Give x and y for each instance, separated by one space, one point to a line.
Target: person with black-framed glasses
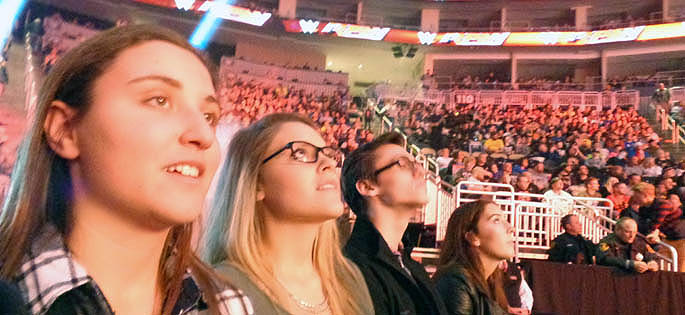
385 186
272 229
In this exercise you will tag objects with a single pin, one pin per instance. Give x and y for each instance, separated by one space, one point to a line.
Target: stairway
677 149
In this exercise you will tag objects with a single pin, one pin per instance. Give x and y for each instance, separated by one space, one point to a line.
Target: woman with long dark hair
477 239
112 173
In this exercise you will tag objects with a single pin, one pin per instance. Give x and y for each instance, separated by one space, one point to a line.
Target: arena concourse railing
536 219
523 98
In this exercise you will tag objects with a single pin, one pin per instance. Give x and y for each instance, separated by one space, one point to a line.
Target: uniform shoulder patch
650 249
603 247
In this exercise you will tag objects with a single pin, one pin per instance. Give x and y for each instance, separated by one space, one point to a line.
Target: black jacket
574 249
460 295
392 290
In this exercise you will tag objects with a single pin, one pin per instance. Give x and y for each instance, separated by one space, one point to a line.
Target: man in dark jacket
571 247
384 186
624 249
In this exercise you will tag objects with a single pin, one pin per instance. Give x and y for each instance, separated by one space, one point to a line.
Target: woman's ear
59 128
260 192
473 239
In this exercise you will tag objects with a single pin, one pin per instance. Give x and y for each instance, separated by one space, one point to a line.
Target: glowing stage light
9 10
210 22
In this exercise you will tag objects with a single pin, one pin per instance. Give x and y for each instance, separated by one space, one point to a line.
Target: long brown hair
41 188
235 233
456 249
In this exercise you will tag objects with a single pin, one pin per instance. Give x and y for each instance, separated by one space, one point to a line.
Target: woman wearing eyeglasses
272 228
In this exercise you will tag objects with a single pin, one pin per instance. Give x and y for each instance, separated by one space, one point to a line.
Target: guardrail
666 123
523 98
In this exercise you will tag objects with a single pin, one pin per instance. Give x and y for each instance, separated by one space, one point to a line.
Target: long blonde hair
235 233
41 189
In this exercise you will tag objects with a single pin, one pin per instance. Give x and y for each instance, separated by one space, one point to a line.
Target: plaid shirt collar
49 271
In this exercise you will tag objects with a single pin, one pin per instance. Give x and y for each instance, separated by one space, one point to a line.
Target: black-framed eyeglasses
306 152
402 162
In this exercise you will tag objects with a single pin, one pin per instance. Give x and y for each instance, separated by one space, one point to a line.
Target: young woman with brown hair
111 176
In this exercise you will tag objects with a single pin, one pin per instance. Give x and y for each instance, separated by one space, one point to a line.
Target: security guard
571 246
624 250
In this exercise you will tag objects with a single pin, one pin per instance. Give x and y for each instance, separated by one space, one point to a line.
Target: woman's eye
160 101
211 118
298 154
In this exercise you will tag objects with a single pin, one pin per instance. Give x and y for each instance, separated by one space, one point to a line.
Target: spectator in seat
619 197
633 166
384 186
591 188
634 180
538 176
662 159
519 295
608 187
504 175
571 247
443 158
523 185
281 182
661 218
557 197
479 175
624 249
495 144
121 157
477 239
633 212
581 175
482 160
650 169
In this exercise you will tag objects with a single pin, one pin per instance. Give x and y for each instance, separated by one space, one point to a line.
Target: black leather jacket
460 296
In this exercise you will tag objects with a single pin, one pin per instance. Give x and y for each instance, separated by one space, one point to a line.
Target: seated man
624 250
571 247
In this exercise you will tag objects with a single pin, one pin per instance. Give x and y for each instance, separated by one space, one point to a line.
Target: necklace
304 305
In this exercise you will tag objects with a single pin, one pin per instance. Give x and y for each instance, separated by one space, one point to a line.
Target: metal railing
666 123
579 99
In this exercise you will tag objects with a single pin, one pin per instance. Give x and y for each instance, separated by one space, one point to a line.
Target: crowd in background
589 151
246 102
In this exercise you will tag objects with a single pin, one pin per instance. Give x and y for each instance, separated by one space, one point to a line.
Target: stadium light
208 24
9 10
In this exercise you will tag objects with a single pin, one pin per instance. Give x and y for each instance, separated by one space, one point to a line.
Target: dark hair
41 189
590 180
566 220
358 166
456 248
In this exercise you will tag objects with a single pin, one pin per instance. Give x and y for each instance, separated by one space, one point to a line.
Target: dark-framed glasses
403 162
305 152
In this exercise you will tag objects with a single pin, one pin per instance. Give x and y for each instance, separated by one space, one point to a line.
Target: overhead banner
663 31
626 34
224 11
